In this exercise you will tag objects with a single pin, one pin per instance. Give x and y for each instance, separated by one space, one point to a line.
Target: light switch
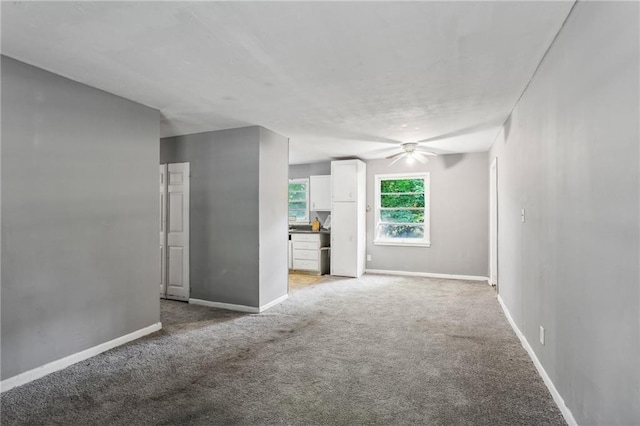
522 215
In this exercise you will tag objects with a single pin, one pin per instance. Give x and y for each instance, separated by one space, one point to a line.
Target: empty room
320 213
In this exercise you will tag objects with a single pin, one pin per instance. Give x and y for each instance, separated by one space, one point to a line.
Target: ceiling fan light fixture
412 152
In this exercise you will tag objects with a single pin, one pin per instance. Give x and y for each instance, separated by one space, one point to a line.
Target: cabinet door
306 265
344 246
320 196
344 179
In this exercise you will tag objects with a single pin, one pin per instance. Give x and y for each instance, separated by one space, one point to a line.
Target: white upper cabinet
345 181
320 193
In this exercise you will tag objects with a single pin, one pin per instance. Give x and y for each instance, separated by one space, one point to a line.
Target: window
299 201
402 210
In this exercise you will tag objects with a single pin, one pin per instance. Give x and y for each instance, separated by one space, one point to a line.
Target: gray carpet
377 350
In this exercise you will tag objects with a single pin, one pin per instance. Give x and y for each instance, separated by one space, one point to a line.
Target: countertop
308 231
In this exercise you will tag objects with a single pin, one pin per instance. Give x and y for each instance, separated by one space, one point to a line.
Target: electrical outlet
542 335
522 215
368 258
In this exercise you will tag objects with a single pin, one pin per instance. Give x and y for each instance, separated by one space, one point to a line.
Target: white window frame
409 242
308 215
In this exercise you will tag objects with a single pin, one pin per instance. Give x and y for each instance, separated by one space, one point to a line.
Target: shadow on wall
450 160
507 129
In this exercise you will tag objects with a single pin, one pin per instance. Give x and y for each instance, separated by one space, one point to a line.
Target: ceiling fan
411 151
420 150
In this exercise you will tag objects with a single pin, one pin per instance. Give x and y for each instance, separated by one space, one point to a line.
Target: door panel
176 265
176 207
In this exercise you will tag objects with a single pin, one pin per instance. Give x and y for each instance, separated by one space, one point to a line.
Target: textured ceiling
338 78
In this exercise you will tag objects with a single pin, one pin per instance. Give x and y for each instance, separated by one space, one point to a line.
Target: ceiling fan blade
381 153
465 131
396 155
400 157
423 151
420 158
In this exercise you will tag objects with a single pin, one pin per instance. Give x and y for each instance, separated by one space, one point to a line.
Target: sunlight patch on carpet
300 281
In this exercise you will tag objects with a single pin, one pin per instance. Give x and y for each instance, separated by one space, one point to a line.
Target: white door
344 246
163 234
493 223
177 229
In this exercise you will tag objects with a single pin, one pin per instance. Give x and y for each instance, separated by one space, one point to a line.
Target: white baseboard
239 308
228 306
426 274
60 364
273 303
568 415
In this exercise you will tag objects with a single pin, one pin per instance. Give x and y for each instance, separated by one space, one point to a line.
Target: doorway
174 231
493 223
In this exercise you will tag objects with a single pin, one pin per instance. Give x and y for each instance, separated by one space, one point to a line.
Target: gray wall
311 169
300 171
459 217
238 213
569 155
224 212
79 217
274 235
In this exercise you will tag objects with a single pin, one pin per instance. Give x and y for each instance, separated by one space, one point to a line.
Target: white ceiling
339 79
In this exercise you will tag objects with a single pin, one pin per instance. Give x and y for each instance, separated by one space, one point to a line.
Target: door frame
163 231
493 224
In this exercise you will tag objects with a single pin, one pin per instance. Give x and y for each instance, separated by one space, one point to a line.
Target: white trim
404 242
228 306
60 364
239 308
274 302
426 274
493 223
307 182
566 413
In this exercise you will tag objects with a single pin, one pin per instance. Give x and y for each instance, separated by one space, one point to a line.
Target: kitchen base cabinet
310 253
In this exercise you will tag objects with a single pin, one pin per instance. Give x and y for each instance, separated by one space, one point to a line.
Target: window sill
400 243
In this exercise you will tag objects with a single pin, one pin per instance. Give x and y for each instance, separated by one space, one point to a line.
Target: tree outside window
402 209
299 201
